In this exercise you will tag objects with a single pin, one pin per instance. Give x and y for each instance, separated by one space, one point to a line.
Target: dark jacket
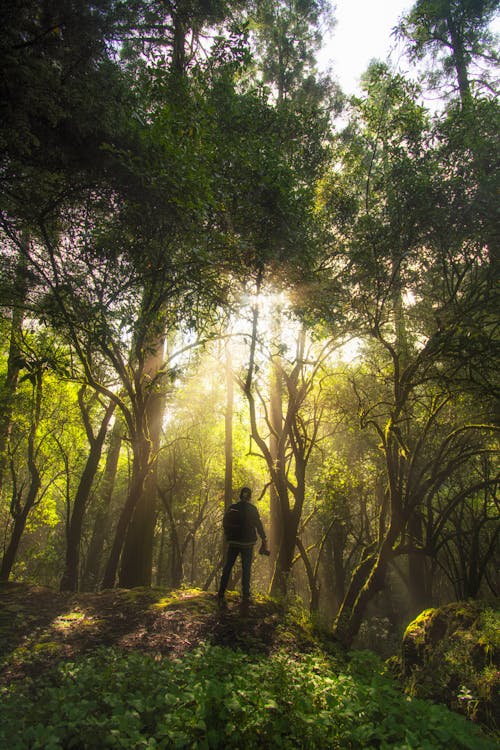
244 534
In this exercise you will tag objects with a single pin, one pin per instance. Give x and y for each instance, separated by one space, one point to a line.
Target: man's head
245 493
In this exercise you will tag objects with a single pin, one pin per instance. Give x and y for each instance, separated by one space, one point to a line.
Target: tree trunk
459 61
289 520
137 557
140 468
160 565
9 386
11 551
21 513
311 577
69 580
102 523
276 451
175 562
367 581
228 431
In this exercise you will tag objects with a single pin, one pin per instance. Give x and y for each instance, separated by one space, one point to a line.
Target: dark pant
246 567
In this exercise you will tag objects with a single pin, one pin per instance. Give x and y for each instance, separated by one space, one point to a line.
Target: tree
39 428
286 433
71 574
8 387
287 37
456 34
61 101
103 514
397 248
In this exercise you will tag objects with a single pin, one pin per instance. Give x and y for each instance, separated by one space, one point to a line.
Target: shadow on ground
39 627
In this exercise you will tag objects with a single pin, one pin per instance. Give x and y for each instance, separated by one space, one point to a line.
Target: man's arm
260 528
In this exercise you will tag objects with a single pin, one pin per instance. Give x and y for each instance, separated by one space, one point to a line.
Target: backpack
234 523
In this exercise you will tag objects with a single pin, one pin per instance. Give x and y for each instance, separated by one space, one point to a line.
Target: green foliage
215 697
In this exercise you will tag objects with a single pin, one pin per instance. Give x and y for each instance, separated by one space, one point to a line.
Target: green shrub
219 698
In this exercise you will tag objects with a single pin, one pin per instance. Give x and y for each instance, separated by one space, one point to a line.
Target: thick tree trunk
137 557
102 523
140 468
69 580
289 520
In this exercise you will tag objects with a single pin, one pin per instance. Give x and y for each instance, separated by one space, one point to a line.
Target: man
241 525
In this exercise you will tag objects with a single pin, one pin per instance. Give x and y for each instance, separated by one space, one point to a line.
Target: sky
362 32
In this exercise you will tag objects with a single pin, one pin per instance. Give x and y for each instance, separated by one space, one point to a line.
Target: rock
451 655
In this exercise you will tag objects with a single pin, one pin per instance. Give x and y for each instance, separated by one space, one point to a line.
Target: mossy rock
451 655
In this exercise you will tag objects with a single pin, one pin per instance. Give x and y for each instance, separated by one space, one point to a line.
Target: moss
451 655
47 648
187 599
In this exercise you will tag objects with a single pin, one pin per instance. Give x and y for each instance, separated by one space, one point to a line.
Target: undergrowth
214 697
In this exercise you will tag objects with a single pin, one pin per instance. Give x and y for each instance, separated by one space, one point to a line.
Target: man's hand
263 549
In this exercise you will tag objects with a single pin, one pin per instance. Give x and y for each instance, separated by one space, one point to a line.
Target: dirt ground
39 626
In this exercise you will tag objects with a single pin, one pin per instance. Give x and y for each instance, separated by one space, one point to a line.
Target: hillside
149 669
39 627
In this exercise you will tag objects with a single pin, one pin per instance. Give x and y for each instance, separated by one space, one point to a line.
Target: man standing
241 525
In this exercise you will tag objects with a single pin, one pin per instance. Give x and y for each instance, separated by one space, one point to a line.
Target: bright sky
362 32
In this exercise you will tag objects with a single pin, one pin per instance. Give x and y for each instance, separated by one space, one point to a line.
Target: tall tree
288 36
457 35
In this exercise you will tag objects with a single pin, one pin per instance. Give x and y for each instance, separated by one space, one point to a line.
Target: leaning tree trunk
312 577
367 581
69 580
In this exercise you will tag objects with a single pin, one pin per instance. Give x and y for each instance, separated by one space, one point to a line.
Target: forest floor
146 668
40 627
